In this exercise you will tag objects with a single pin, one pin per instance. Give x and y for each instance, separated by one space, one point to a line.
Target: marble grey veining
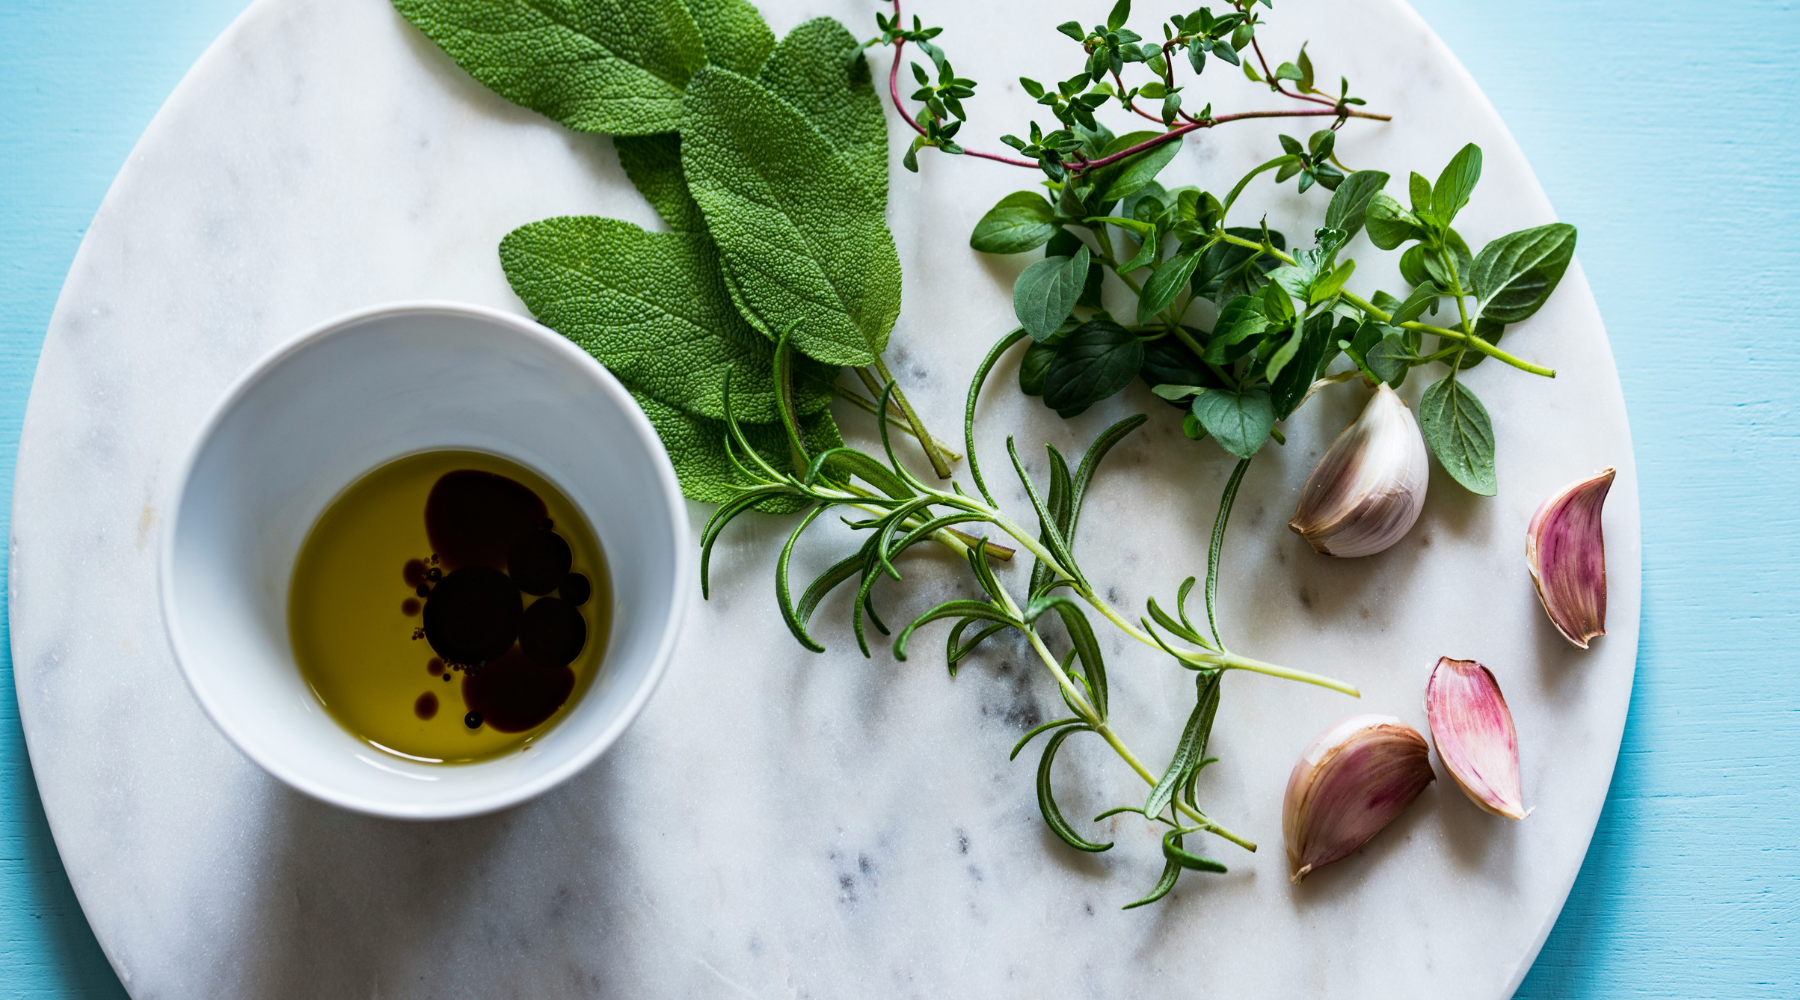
780 824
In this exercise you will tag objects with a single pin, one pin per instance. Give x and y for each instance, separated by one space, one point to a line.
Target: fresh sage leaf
1094 363
653 162
1239 422
819 68
696 447
1457 428
807 248
652 308
735 34
593 65
1046 291
1516 273
1023 220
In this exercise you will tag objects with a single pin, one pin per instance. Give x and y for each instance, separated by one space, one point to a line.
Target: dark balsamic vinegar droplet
474 517
575 589
410 607
426 707
434 666
552 632
473 615
414 572
513 694
472 720
538 561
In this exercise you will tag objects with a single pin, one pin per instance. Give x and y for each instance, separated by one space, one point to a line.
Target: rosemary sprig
904 511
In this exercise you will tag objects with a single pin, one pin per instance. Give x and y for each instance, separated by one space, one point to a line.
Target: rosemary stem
926 441
864 404
1088 715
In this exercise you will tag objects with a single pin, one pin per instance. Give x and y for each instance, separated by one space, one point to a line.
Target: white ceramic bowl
334 404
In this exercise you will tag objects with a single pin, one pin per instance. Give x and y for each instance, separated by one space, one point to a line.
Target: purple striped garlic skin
1473 730
1351 781
1368 489
1566 551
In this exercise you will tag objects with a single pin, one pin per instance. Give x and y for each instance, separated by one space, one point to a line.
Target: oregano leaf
1093 363
1021 221
1240 422
1457 428
1516 273
1046 291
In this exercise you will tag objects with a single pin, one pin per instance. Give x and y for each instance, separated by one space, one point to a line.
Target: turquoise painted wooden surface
1664 130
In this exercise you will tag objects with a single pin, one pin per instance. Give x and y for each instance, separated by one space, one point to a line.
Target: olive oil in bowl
449 607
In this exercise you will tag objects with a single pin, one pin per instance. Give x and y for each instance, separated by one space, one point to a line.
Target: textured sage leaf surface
734 33
819 69
653 162
652 308
806 246
1516 273
614 66
696 447
1023 220
1456 426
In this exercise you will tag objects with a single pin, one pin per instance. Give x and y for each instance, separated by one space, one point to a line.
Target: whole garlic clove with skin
1473 730
1353 779
1367 491
1566 551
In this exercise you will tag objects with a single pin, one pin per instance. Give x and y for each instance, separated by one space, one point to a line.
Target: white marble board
780 823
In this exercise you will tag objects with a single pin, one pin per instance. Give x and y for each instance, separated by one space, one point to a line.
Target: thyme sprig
902 511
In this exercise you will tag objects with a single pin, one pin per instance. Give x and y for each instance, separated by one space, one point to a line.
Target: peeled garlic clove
1566 551
1367 491
1473 730
1353 779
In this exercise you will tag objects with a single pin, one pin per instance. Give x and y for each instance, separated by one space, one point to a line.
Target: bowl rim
668 487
